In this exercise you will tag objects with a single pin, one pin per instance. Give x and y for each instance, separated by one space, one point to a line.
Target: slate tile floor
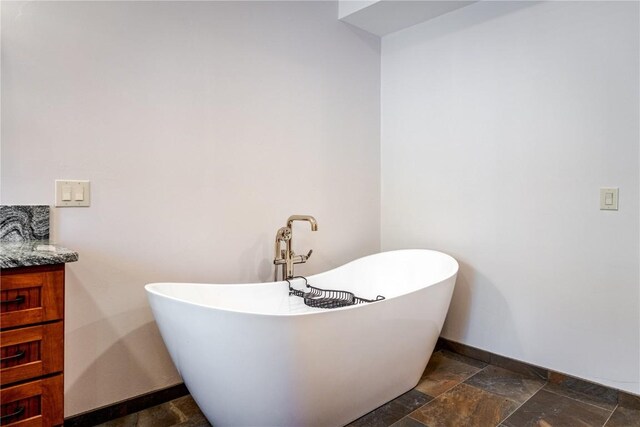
457 391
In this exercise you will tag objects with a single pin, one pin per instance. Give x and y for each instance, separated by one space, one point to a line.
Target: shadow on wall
475 292
367 38
117 364
110 355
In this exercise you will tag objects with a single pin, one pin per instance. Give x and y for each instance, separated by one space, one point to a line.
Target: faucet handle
304 258
300 259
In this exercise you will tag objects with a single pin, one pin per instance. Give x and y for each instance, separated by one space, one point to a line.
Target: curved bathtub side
313 370
391 274
224 358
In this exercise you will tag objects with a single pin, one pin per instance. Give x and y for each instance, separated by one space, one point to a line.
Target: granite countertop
33 252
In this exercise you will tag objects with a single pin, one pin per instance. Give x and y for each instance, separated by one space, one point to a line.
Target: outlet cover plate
609 199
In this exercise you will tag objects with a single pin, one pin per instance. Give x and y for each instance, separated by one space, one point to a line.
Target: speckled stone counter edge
34 252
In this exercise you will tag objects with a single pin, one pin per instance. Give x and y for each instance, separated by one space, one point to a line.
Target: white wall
500 122
202 126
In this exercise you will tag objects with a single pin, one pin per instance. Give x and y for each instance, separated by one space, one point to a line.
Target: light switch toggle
609 199
66 193
79 194
72 193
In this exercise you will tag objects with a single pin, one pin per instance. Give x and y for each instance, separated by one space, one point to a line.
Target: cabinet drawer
37 403
31 295
31 352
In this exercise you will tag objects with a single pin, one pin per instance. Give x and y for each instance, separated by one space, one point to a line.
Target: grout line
610 415
406 416
455 385
174 408
578 400
522 404
420 407
435 397
446 391
462 381
476 373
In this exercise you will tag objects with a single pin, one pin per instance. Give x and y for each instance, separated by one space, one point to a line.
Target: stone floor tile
443 372
464 359
178 412
407 422
509 384
624 417
195 421
186 408
130 420
629 400
466 406
550 409
161 415
584 391
393 411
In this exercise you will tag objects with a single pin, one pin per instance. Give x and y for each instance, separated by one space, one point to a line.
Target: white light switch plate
609 199
71 193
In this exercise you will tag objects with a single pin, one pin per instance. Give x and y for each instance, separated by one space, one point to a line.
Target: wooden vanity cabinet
32 346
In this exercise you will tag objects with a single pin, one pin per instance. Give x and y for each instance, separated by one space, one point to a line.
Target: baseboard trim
126 407
580 385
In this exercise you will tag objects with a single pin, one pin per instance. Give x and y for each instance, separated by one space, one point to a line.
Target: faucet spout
311 220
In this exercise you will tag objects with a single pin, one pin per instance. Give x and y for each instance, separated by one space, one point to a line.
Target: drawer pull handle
15 414
18 355
19 300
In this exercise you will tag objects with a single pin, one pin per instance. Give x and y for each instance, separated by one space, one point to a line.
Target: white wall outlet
72 193
608 199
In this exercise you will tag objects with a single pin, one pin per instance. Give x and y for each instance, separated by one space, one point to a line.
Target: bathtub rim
149 288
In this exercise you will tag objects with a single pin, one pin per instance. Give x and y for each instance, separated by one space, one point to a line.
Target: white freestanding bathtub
252 355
